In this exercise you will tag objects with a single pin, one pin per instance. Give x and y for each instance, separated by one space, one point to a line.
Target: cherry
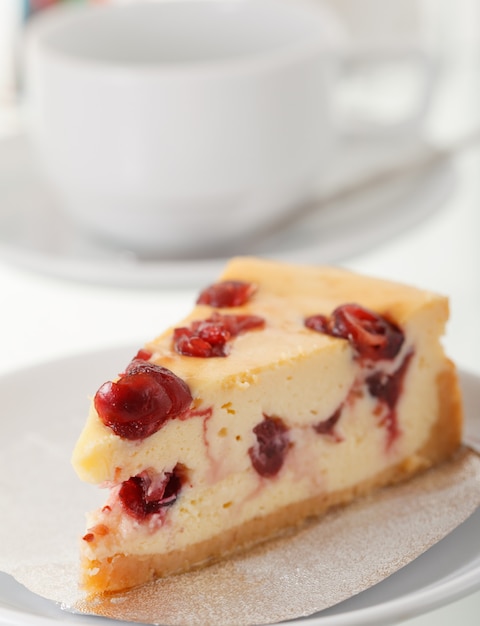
371 335
143 355
176 388
320 323
143 495
228 293
238 324
142 399
209 337
268 454
188 345
132 497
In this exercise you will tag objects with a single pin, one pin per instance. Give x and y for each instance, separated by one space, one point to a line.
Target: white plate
448 571
36 234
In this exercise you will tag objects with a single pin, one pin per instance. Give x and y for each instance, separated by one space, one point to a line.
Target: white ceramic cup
178 128
390 64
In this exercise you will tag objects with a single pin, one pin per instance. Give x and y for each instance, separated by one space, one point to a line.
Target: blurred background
43 317
447 31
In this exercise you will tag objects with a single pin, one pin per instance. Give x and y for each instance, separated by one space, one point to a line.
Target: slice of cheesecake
286 391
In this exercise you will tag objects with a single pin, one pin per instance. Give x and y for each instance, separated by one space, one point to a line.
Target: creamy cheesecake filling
359 446
272 417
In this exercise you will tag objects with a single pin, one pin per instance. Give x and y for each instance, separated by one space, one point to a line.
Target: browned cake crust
123 571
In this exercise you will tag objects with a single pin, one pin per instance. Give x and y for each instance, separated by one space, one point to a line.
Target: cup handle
354 97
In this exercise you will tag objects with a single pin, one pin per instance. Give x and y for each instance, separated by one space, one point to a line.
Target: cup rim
331 40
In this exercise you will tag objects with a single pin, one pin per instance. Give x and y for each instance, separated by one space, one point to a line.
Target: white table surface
44 318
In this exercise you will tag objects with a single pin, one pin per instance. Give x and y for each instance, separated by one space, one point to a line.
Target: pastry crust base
123 571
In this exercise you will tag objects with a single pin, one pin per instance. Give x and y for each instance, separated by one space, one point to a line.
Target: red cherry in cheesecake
135 407
140 402
372 336
177 389
320 323
268 454
227 293
132 497
143 355
209 337
143 495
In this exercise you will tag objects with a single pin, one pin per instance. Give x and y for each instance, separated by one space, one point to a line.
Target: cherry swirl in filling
374 338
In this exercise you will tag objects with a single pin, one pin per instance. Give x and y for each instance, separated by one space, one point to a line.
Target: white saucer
447 572
36 234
